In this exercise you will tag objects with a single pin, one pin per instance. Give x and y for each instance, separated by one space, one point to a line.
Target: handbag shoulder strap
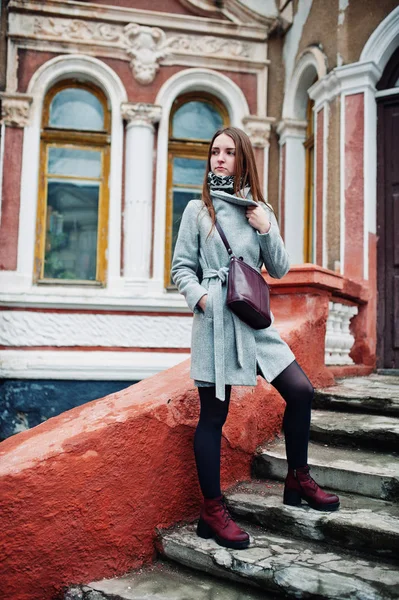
224 238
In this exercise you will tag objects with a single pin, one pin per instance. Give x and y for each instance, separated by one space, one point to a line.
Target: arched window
309 186
72 216
194 119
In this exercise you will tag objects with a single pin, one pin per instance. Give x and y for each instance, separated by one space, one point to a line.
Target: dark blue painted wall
25 403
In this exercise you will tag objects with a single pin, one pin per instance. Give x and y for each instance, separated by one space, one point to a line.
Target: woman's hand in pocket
202 302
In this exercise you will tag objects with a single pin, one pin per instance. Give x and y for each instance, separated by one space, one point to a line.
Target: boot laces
225 512
309 479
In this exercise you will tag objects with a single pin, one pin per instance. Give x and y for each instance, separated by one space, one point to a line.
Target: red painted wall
354 186
31 60
11 198
82 494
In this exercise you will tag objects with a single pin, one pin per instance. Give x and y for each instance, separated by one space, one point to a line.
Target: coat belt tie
217 279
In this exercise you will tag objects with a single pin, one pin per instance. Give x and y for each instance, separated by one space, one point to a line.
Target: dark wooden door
388 233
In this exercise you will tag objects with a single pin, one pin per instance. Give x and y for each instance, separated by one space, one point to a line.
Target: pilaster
139 164
292 134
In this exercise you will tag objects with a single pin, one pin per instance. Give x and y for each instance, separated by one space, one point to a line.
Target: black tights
297 391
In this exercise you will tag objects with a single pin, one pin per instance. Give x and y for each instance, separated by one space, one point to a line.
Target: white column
293 133
258 130
139 165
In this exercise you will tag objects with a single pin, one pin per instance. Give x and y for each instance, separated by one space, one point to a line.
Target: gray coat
224 350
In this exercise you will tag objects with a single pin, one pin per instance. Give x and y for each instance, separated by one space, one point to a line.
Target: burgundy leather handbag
248 294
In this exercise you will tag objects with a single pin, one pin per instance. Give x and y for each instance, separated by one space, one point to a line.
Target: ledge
301 277
19 293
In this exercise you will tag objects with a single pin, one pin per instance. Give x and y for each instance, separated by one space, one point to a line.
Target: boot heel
203 530
292 498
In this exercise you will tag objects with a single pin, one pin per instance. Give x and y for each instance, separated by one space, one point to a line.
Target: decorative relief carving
15 109
258 130
73 29
146 47
141 113
189 44
25 328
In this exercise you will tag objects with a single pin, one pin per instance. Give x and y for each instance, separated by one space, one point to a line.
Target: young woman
225 351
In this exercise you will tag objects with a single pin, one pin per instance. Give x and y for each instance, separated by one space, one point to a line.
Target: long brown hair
246 174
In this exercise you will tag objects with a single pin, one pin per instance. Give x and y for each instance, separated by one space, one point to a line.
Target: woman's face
223 155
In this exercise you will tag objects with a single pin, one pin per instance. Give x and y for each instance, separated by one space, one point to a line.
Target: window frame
84 140
191 148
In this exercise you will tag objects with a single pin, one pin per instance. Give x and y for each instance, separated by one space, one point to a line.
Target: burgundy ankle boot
299 484
216 522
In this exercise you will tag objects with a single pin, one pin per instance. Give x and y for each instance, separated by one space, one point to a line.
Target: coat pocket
208 312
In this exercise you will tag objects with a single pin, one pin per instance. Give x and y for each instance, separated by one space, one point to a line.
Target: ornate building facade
107 110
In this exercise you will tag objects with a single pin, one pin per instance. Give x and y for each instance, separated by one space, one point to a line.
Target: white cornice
146 47
118 15
346 79
85 365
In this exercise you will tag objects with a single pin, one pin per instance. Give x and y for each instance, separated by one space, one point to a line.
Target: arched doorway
300 205
388 215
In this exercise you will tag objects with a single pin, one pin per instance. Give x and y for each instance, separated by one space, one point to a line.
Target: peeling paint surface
293 39
343 5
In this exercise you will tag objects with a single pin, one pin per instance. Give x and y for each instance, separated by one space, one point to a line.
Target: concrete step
340 469
364 524
350 429
287 566
165 581
372 394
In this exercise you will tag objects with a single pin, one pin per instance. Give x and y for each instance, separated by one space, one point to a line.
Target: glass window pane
196 120
188 171
188 175
181 198
71 233
75 108
74 162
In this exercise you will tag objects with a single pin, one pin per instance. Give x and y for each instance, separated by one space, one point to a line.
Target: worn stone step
165 581
364 524
341 469
374 394
287 566
350 429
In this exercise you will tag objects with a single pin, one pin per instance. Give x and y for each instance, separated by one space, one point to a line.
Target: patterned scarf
224 183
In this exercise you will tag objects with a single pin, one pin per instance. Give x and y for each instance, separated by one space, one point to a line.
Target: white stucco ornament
258 130
146 47
141 113
15 109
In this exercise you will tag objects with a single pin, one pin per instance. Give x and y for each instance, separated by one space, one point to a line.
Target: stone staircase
299 552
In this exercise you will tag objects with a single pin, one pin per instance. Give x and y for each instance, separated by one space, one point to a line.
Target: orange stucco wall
82 494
